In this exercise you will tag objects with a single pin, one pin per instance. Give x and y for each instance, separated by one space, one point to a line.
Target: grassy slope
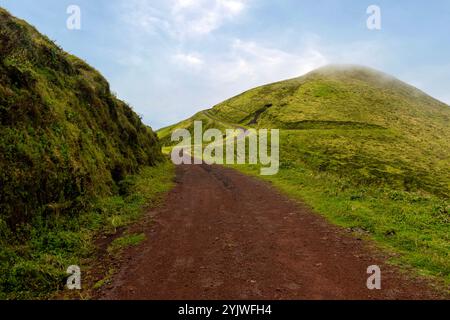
67 150
362 148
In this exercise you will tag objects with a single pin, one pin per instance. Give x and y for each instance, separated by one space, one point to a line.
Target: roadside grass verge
35 268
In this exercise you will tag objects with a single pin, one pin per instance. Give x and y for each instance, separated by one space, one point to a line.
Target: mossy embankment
68 148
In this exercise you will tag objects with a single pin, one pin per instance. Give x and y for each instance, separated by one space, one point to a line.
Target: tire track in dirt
223 235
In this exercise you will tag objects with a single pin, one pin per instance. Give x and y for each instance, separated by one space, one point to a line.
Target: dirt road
223 235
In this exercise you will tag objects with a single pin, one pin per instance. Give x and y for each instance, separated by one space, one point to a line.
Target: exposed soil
223 235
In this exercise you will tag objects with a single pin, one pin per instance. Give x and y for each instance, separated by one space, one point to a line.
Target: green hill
348 120
66 143
365 149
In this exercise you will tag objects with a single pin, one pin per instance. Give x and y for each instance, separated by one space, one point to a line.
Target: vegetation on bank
362 148
65 139
33 261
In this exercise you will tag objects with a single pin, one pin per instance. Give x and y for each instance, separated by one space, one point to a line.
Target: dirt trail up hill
223 235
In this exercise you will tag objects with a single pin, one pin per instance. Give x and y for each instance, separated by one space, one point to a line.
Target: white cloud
188 60
260 63
201 17
246 64
144 16
182 18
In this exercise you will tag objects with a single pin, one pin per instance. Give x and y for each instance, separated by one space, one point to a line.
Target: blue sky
171 58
